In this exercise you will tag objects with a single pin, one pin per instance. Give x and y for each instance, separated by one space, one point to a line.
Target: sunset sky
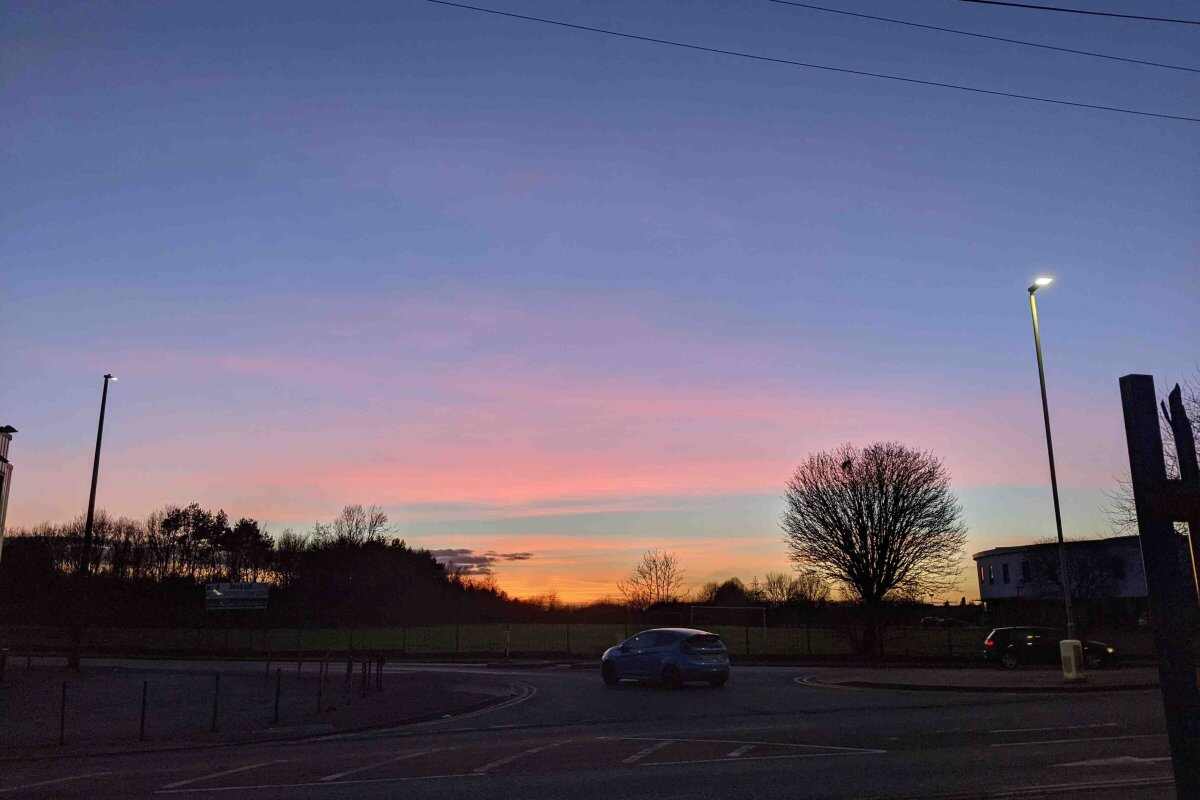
542 291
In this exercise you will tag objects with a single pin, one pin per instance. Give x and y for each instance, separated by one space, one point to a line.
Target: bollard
142 725
278 682
62 717
216 701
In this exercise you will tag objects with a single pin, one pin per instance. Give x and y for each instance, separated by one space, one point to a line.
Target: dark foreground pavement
767 734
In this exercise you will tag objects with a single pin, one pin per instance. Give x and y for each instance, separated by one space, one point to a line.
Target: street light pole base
1071 651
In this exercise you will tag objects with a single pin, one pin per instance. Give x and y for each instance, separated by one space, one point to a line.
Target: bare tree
357 525
657 578
879 522
806 588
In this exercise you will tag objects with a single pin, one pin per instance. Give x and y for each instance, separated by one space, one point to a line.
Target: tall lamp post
1062 550
85 559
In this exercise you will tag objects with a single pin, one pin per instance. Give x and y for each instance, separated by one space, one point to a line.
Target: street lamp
1038 283
85 559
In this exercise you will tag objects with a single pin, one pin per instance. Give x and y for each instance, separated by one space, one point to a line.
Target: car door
629 656
656 649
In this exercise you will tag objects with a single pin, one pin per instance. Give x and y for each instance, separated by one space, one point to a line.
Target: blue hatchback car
671 656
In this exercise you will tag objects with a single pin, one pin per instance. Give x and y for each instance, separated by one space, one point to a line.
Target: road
769 733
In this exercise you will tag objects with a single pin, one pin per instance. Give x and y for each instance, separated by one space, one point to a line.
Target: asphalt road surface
769 733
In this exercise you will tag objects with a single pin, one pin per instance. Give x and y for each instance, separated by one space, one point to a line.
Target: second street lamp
1064 576
85 558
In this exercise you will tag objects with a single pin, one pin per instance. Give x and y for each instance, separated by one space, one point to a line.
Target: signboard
236 596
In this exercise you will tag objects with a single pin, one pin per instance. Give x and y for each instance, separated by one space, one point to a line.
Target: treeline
152 572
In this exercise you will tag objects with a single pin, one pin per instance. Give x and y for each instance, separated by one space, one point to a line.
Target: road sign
236 596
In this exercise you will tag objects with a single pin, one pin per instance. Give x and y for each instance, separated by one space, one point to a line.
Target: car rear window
706 640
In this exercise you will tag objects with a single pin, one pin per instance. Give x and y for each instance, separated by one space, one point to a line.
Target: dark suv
1012 647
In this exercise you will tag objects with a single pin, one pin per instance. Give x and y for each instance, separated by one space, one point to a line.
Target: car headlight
1110 650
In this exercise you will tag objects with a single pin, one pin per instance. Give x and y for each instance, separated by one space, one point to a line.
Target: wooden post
1171 591
216 701
62 716
142 726
1189 471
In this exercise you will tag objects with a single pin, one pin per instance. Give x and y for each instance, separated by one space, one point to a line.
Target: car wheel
717 683
671 678
1010 661
609 673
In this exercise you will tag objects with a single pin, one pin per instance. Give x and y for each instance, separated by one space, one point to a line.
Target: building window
1004 570
982 575
991 575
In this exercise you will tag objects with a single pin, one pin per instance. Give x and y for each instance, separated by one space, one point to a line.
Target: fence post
142 725
747 629
404 640
320 687
808 636
216 701
278 683
507 640
267 674
364 677
62 717
379 675
568 638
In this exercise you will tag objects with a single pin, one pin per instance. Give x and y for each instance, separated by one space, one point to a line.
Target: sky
543 292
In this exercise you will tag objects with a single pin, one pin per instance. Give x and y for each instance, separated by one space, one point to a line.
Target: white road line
738 752
357 782
1061 728
763 758
1084 739
404 757
645 751
223 773
1119 761
528 693
768 744
52 781
500 762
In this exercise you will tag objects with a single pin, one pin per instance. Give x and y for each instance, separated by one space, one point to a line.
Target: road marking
768 744
1062 728
53 781
223 773
335 776
500 762
1085 739
1113 762
645 751
763 758
527 693
318 784
738 752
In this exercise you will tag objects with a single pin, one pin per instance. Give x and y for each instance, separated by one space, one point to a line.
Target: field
496 639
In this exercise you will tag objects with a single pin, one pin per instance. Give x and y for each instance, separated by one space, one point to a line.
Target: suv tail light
989 643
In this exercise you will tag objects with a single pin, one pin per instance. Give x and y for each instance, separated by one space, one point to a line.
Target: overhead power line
805 65
911 24
1086 11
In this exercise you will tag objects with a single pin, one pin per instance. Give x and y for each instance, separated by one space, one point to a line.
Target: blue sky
526 285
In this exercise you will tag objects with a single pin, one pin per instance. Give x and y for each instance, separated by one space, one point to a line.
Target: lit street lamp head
1039 282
